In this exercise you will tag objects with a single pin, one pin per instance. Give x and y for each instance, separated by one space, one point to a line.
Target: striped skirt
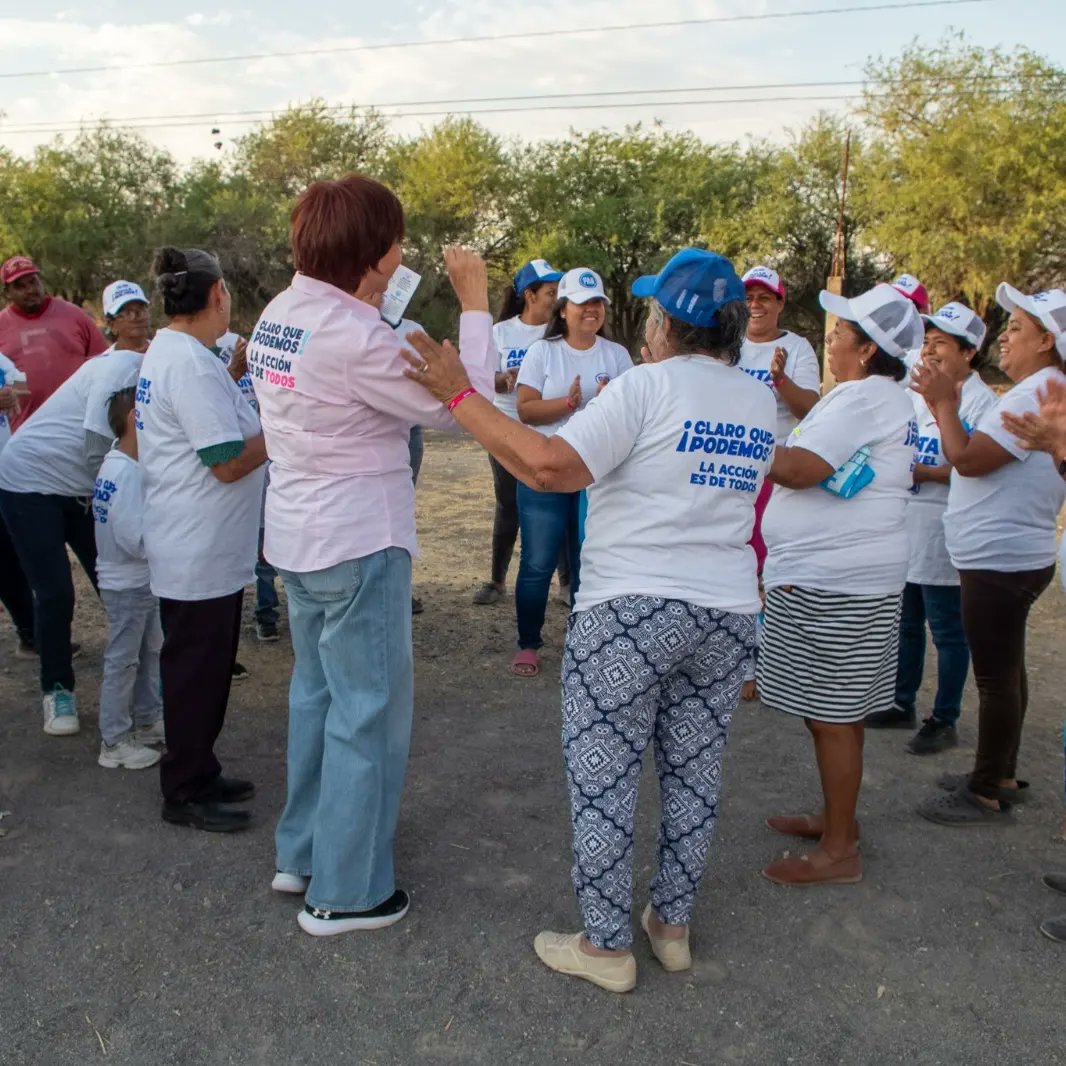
827 656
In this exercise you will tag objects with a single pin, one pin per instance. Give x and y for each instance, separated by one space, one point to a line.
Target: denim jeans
941 607
350 708
546 519
266 594
131 663
416 447
41 527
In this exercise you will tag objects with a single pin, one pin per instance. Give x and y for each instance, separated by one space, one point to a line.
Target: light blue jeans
350 708
131 663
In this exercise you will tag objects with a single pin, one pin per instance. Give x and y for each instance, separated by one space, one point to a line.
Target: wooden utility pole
838 271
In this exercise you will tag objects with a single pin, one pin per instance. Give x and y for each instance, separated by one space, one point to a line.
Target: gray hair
720 340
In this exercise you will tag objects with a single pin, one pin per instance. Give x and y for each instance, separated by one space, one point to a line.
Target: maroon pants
995 609
196 667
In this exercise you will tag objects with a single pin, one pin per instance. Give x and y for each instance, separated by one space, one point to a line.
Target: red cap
18 266
914 290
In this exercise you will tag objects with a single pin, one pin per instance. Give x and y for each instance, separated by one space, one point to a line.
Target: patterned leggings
637 669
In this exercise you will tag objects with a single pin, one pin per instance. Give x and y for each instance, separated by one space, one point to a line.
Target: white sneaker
127 754
60 713
294 884
151 734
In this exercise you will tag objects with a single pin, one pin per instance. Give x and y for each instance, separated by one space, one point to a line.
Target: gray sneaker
127 754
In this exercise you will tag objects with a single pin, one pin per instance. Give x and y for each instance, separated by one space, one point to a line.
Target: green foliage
965 184
956 175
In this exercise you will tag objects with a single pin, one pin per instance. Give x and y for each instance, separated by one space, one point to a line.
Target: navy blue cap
692 286
536 270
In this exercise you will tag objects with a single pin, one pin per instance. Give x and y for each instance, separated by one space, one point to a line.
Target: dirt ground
125 940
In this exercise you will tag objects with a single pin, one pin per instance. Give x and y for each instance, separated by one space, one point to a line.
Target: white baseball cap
883 313
958 320
120 293
581 285
767 278
1048 307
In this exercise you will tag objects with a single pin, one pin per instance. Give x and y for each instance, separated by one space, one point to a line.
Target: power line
230 117
515 110
495 38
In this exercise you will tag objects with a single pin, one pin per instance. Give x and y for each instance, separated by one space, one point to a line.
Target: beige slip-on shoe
562 952
673 954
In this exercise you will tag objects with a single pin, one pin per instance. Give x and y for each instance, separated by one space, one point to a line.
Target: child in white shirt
135 636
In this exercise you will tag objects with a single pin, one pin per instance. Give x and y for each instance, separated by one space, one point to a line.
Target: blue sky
52 35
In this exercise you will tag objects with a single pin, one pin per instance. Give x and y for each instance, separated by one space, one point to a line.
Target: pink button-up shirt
337 413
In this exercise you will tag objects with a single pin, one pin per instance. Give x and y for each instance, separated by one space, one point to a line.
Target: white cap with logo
958 320
581 285
1049 308
883 313
120 293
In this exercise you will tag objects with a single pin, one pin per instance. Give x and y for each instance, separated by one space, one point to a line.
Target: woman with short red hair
340 529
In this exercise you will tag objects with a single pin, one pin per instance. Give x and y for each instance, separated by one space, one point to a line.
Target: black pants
15 592
196 667
995 609
505 527
41 527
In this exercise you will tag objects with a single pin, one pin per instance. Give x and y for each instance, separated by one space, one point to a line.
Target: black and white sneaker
894 718
240 673
319 922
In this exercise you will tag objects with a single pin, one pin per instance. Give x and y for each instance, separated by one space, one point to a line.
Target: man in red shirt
45 337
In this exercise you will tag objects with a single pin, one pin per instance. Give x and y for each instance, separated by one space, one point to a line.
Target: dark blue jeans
941 607
546 520
266 592
41 528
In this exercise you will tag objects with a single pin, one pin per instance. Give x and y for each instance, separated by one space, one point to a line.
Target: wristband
458 398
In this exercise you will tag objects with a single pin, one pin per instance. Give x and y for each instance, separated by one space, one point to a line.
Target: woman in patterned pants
675 452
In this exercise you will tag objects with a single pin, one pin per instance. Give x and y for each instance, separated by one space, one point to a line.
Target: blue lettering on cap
587 280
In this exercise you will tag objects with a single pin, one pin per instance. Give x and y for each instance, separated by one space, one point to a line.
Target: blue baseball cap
534 272
692 286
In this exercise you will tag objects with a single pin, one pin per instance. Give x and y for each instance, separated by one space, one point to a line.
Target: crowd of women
711 508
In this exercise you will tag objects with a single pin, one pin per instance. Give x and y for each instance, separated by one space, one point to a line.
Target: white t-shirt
118 511
801 365
818 540
929 562
551 366
513 338
1006 520
678 451
227 347
200 534
9 373
47 454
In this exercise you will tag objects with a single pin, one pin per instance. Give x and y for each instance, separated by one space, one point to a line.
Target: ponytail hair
184 278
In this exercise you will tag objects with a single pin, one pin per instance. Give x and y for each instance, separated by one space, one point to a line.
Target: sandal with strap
954 782
961 809
807 826
525 663
815 868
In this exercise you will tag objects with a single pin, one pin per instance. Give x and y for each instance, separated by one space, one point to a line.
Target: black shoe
417 607
229 790
239 672
266 632
1055 928
934 736
320 922
211 817
893 718
1055 881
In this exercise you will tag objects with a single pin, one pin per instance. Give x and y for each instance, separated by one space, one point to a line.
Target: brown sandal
815 868
807 826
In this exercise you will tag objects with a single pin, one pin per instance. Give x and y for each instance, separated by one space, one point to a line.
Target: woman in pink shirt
340 529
